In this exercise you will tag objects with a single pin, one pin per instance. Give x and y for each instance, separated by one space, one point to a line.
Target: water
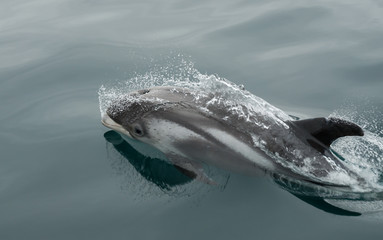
62 174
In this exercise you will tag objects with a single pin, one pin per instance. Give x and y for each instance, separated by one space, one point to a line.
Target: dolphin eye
138 130
143 91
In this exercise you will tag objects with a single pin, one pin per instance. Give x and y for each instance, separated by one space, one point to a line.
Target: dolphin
193 128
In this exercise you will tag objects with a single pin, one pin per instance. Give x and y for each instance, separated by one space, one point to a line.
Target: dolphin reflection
167 176
155 170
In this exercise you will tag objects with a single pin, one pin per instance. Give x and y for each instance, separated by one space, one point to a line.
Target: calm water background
61 179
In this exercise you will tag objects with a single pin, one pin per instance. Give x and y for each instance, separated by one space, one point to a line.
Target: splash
363 155
182 73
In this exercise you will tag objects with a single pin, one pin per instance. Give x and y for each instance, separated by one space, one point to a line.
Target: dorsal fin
327 130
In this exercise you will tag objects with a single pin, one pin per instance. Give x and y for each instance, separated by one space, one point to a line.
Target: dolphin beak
108 122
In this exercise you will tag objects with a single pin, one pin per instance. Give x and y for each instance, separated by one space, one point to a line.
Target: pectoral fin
190 168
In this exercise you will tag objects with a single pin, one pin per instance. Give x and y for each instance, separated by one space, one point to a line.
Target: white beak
108 122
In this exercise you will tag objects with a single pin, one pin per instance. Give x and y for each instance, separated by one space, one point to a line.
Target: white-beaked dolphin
191 132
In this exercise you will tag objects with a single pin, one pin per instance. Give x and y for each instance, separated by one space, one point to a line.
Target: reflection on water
332 200
166 176
135 157
155 170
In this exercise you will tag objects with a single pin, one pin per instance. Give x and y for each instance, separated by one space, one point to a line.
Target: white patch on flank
163 135
240 147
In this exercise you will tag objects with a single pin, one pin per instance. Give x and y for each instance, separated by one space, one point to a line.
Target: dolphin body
192 130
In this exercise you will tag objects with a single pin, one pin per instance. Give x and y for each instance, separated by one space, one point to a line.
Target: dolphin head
134 114
127 118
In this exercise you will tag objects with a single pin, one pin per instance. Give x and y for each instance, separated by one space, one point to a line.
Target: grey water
65 176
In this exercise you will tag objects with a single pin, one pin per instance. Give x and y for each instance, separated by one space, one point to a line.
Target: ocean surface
63 175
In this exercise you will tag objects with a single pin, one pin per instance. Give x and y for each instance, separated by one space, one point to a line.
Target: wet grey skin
171 120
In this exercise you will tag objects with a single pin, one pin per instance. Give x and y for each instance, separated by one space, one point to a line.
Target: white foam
364 155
